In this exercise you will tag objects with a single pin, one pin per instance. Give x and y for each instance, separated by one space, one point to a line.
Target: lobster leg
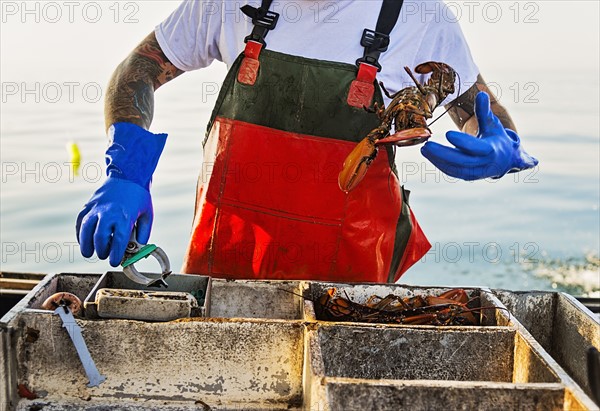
386 92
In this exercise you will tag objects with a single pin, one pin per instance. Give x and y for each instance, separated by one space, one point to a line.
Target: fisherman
290 110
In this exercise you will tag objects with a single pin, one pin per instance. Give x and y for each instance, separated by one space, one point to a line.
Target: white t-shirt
200 31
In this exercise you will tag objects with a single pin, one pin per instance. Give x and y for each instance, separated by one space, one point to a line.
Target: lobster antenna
451 104
296 294
412 76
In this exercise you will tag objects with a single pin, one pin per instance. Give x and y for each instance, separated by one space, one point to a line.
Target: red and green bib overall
268 204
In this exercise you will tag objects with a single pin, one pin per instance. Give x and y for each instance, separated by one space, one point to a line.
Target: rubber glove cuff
133 153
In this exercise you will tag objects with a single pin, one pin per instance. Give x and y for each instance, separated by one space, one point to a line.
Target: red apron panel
269 206
273 170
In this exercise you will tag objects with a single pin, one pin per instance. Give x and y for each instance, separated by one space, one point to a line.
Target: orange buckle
249 68
362 89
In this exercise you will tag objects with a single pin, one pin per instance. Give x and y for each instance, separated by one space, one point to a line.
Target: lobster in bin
452 307
408 112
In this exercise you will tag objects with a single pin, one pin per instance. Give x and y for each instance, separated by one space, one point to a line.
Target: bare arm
130 94
462 111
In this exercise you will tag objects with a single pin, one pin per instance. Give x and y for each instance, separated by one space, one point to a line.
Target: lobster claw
360 158
430 66
356 164
405 138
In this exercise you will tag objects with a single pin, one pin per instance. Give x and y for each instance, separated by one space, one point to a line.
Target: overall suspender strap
375 42
264 21
388 16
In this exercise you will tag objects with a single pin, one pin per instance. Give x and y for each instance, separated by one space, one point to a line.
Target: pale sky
533 35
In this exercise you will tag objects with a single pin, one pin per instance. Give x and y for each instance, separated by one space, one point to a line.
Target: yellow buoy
75 157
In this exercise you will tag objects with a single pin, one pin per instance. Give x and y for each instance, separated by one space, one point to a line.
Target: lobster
408 112
449 308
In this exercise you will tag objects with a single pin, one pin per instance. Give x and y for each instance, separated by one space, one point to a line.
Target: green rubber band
144 252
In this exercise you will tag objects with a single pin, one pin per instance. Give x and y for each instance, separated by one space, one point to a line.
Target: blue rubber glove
106 221
493 153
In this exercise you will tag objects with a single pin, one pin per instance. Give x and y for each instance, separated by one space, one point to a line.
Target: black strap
376 42
263 20
388 16
254 12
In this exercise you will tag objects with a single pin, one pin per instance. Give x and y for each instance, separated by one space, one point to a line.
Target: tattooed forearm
130 94
462 110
